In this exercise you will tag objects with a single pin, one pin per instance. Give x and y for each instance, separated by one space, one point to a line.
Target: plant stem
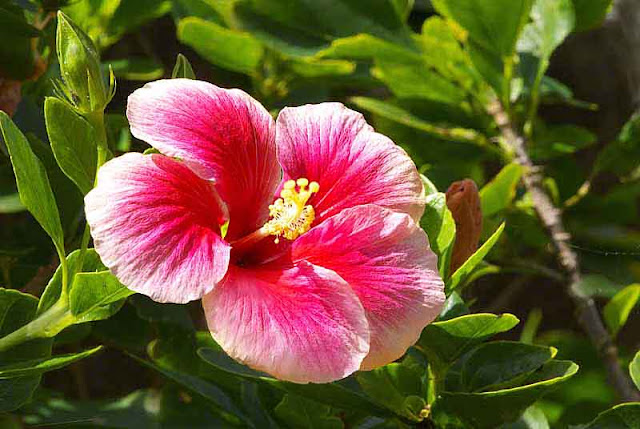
47 325
586 311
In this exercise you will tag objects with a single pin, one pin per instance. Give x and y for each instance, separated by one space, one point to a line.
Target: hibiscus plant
338 244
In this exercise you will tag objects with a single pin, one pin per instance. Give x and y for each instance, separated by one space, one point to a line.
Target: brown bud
463 200
9 95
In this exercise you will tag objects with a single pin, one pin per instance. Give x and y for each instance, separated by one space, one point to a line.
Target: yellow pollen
291 216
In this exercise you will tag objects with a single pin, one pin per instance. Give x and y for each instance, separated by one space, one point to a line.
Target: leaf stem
47 325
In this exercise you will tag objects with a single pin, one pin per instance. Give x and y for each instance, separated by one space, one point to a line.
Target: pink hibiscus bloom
332 277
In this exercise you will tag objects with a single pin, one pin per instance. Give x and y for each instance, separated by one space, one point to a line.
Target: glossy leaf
36 367
490 409
470 264
497 195
338 394
444 342
500 364
305 27
33 183
226 48
440 227
397 387
91 263
96 296
405 117
73 142
623 416
616 312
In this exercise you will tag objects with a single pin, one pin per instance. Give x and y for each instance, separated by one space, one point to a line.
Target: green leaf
494 25
226 48
11 204
470 264
42 365
623 416
16 310
560 140
339 394
306 27
397 387
634 369
597 285
91 263
616 312
497 365
16 54
73 142
405 117
440 227
96 296
300 412
454 306
497 195
551 22
198 386
413 78
590 13
144 69
444 342
182 69
490 409
532 418
621 156
33 183
80 67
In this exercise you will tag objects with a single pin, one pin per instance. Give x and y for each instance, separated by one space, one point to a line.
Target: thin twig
586 311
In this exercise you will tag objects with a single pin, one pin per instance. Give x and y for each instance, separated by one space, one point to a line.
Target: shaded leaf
16 310
490 409
299 412
33 183
36 367
132 68
623 416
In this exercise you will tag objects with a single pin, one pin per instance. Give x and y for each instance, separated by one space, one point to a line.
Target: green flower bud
80 67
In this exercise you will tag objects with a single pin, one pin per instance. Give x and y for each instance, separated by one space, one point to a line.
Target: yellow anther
291 216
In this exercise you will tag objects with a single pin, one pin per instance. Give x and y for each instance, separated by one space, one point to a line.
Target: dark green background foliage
506 350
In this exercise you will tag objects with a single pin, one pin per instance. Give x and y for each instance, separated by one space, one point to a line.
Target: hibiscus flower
332 276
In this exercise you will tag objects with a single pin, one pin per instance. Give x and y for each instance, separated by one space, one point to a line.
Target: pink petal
386 259
222 134
354 165
155 224
301 324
